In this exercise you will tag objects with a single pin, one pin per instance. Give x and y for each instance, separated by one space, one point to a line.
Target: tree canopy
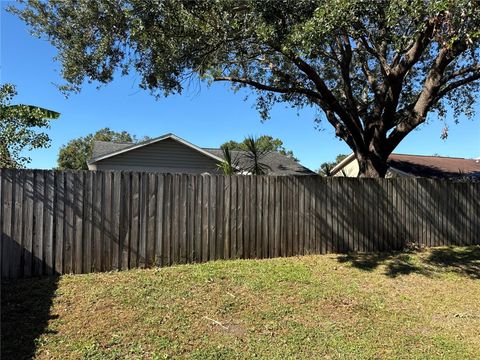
373 69
264 142
74 155
20 128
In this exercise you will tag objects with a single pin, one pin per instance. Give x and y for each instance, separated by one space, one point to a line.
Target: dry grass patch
404 306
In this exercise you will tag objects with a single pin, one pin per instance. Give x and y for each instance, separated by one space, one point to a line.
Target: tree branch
453 85
465 70
260 86
417 111
383 62
343 43
340 130
400 67
415 52
329 101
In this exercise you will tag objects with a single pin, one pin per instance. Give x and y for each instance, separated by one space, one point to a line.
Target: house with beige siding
403 165
171 154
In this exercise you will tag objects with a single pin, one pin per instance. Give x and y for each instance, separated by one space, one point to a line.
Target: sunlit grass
406 306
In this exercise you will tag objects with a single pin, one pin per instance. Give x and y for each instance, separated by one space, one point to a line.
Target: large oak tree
374 69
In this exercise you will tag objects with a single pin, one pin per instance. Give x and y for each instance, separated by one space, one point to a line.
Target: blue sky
205 116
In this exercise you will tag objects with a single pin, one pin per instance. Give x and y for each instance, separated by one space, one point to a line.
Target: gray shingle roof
276 163
105 147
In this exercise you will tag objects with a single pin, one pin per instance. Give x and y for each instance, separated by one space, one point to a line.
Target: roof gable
104 151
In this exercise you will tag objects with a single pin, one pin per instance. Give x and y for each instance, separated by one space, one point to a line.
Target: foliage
373 69
75 154
229 165
255 152
20 128
326 167
264 141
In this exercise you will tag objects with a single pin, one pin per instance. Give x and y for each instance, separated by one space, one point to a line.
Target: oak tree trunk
371 165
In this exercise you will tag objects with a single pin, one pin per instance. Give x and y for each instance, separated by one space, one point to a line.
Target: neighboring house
171 154
401 165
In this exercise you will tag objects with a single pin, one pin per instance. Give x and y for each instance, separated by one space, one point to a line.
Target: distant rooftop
435 166
277 164
426 166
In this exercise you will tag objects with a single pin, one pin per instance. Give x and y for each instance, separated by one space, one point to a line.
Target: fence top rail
306 176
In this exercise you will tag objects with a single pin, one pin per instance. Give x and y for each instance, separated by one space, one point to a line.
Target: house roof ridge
219 149
115 142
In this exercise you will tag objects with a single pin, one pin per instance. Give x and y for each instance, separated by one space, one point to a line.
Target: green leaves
383 65
249 154
229 165
255 153
264 142
327 167
19 128
34 112
75 154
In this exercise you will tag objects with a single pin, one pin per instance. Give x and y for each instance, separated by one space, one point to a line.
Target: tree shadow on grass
367 262
25 314
404 264
464 261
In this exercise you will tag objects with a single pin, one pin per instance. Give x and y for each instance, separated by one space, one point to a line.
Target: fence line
79 222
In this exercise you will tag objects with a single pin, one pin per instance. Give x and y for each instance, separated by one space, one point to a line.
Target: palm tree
255 153
325 169
229 165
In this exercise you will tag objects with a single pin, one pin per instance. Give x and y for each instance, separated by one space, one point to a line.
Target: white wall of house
349 170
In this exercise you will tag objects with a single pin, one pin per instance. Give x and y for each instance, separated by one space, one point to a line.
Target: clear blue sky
205 116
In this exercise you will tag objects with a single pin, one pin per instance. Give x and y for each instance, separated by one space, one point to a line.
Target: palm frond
37 110
255 153
229 165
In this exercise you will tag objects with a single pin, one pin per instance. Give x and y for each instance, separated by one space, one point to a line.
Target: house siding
164 156
349 170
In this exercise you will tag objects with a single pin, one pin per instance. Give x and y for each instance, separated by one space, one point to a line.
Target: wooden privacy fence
78 222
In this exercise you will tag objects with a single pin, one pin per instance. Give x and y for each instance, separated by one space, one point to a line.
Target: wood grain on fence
78 222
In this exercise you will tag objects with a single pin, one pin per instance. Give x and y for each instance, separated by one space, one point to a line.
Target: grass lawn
406 306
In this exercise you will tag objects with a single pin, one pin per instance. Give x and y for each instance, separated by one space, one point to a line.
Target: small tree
19 128
75 154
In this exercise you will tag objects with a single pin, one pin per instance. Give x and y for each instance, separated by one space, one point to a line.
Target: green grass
404 306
